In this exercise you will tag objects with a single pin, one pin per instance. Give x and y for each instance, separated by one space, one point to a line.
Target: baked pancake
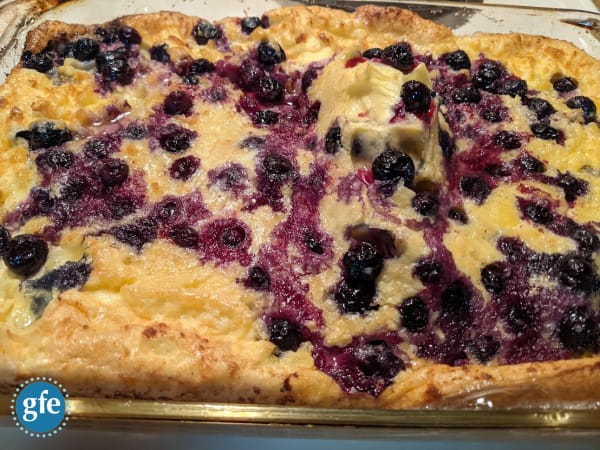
312 207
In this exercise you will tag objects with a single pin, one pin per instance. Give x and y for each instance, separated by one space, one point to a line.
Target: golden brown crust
111 358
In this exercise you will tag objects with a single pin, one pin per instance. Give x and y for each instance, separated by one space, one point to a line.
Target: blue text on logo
40 407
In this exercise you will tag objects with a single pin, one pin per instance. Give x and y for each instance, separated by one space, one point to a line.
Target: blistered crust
108 351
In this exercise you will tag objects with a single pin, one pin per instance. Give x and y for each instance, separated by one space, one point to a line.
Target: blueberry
398 56
494 277
586 104
486 76
183 168
205 31
114 172
159 53
498 170
313 243
96 149
538 214
416 97
59 158
249 24
85 49
377 359
577 273
129 36
184 236
373 53
492 114
249 75
307 78
178 102
484 348
383 240
285 335
587 241
428 271
446 143
455 298
521 317
258 279
167 211
542 108
136 234
4 238
414 314
25 254
546 132
41 62
277 168
45 135
425 203
200 66
514 87
393 166
121 207
177 140
265 117
458 214
467 94
355 297
564 84
73 189
42 201
113 66
578 330
531 164
507 140
363 262
108 35
232 236
270 90
512 248
572 186
270 53
475 188
230 177
333 140
457 60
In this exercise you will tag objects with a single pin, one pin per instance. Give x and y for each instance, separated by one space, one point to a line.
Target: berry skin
45 135
129 36
285 335
393 166
457 60
492 114
414 314
494 277
232 237
59 158
521 317
507 140
538 214
249 24
204 32
85 49
446 143
159 53
475 188
373 53
586 105
184 236
333 140
572 186
200 66
484 348
121 207
488 73
277 167
177 140
4 238
25 254
531 164
114 173
363 262
425 203
428 271
113 66
398 56
514 87
377 359
178 102
265 117
578 330
564 84
314 244
270 53
41 62
136 234
542 108
416 97
458 214
586 240
270 90
577 273
455 299
355 297
183 168
258 279
467 94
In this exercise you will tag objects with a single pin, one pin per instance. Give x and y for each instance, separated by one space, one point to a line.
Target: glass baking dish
478 410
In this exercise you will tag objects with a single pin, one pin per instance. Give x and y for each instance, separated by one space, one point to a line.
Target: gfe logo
39 407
